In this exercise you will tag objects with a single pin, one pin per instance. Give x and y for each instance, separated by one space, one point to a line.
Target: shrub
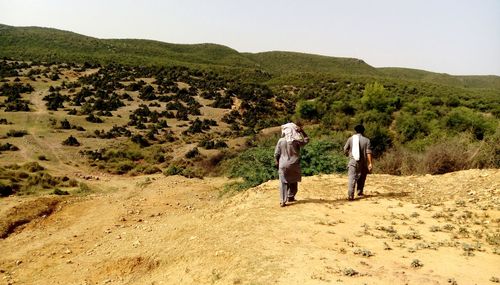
5 190
446 157
8 147
71 141
464 119
93 119
410 127
192 153
307 110
16 133
380 139
32 167
322 157
399 161
124 167
58 191
172 170
140 140
254 165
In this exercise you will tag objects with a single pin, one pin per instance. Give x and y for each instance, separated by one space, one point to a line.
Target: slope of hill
486 81
171 230
292 62
47 44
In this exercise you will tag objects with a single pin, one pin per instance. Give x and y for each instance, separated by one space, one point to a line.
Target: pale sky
451 36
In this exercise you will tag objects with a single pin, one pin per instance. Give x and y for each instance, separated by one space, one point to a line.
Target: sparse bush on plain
17 133
71 141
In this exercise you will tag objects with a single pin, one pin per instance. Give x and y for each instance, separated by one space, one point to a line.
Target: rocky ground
171 230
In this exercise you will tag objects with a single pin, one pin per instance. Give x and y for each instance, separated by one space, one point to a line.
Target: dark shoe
282 204
350 198
291 199
361 195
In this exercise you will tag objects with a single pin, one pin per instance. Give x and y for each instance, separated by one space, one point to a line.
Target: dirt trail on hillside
172 230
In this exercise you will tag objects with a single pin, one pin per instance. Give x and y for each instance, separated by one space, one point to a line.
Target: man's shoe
361 195
291 199
350 198
282 204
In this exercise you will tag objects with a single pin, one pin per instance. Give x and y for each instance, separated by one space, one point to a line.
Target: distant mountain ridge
48 44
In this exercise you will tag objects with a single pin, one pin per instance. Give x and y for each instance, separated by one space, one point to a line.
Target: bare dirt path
172 230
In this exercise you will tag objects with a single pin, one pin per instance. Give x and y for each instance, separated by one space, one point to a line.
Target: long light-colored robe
288 155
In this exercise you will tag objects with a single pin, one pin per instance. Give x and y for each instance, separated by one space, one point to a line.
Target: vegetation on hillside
418 121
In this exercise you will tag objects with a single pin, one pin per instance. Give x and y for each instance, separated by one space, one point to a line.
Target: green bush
124 167
16 133
464 119
380 138
173 170
5 190
410 127
71 141
255 166
58 191
322 156
307 110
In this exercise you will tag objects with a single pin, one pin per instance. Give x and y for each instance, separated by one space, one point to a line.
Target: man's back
364 149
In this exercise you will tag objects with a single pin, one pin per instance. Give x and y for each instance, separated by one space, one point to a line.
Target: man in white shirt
359 150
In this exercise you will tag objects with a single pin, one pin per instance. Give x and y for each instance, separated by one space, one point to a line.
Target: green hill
47 44
292 62
467 81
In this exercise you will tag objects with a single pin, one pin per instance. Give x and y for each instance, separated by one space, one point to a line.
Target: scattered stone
350 272
416 263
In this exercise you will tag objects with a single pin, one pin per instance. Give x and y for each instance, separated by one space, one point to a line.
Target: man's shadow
376 195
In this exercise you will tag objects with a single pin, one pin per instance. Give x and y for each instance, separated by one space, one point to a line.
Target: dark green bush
464 119
307 110
255 166
6 190
192 153
58 191
71 141
322 156
410 127
17 133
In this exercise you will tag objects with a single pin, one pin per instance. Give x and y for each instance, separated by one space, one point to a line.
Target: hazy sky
451 36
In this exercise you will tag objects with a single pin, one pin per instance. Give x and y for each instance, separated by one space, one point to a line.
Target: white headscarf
289 131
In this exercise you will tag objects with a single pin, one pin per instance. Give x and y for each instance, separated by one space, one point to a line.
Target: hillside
293 62
47 44
171 230
465 81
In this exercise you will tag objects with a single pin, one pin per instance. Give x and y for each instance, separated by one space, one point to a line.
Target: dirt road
172 230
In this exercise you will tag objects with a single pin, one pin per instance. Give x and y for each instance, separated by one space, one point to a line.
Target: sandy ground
171 230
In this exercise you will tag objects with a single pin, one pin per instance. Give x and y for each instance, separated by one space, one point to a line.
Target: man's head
360 129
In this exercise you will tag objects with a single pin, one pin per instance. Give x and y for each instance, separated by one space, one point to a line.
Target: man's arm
277 154
370 166
347 147
369 156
